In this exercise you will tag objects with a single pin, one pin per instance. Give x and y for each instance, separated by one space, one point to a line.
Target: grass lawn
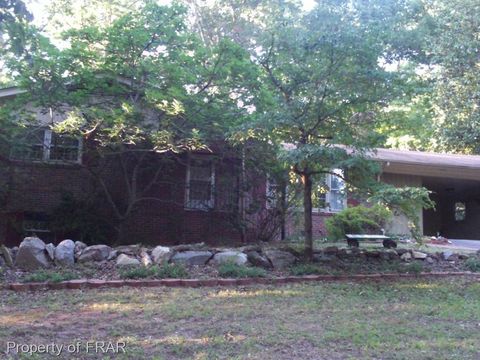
406 320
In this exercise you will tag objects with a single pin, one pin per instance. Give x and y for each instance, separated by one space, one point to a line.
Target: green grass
421 319
161 272
231 270
50 276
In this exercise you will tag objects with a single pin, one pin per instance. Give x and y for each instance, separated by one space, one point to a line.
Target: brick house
196 197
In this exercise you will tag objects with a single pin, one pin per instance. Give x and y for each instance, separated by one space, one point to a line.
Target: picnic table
354 239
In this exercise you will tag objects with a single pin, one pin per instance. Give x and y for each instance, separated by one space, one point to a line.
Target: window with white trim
44 145
200 184
328 193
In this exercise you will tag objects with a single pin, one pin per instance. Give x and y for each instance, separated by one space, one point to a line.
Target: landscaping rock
235 257
145 258
113 255
256 259
280 259
419 255
322 257
447 255
331 250
462 256
2 262
189 247
161 254
7 256
79 247
125 260
32 255
400 252
392 254
190 258
65 253
430 260
50 248
406 256
132 250
95 253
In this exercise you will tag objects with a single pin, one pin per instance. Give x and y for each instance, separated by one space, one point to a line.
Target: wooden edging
94 283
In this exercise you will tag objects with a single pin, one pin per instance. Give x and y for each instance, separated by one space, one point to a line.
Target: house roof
429 164
11 91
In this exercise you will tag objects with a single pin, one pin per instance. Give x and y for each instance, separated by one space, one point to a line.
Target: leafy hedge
357 220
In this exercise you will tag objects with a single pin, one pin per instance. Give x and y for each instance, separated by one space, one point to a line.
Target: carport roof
429 164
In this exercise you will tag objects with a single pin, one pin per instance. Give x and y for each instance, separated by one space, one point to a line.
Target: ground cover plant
232 270
419 319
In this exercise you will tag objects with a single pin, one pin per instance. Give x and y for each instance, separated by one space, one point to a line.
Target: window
460 211
336 198
200 184
45 145
35 224
273 192
328 193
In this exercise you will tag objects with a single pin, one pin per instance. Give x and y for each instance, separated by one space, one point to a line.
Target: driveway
463 244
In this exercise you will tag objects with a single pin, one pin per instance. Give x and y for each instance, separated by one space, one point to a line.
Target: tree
137 88
326 83
455 45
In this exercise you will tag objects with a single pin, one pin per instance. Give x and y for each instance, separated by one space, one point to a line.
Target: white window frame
328 183
328 195
200 204
47 145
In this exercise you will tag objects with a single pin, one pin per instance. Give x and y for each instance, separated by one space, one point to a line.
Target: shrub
162 272
176 271
358 219
473 264
232 270
136 272
307 269
50 276
413 268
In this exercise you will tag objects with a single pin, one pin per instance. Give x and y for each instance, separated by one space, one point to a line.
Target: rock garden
35 261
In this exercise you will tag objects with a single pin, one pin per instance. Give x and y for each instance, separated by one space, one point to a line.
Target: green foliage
307 269
50 276
232 270
164 271
408 200
473 264
79 219
357 220
415 267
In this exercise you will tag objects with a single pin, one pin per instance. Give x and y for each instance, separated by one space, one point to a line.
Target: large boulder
65 253
7 256
32 255
79 247
418 255
256 259
230 256
145 259
95 253
132 250
50 249
190 258
125 260
161 254
280 259
406 256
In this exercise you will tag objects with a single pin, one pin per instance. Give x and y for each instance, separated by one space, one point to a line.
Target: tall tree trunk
307 212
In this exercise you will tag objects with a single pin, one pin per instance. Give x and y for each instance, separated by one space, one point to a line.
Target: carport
455 184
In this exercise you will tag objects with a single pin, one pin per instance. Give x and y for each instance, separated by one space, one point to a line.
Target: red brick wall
38 188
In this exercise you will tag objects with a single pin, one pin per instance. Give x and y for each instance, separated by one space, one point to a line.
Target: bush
165 271
357 220
232 270
50 276
473 264
307 269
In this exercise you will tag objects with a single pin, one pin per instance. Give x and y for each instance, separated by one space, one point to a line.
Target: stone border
95 284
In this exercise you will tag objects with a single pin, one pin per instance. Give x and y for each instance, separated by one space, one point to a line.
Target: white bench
354 239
